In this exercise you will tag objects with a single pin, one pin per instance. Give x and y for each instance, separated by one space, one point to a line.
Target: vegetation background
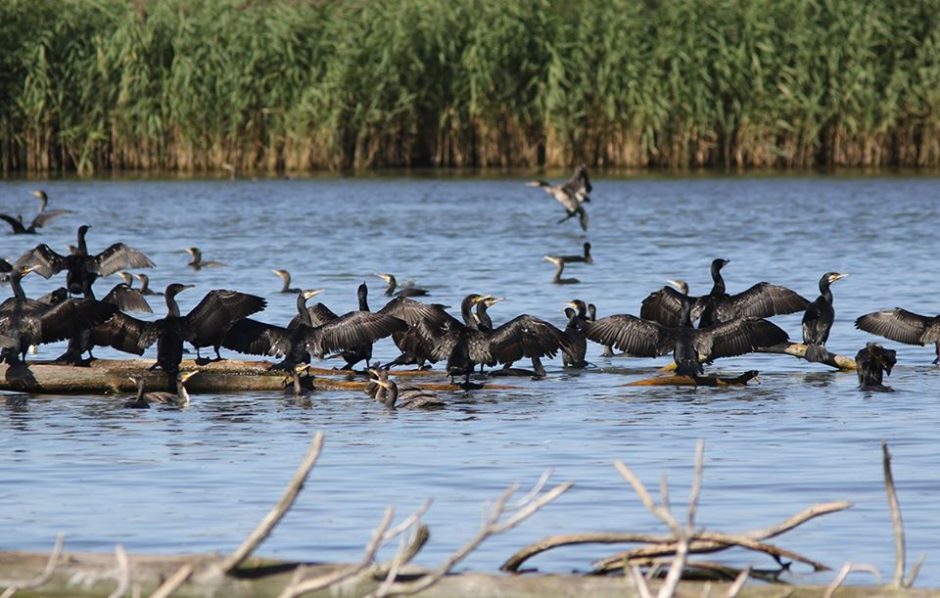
291 85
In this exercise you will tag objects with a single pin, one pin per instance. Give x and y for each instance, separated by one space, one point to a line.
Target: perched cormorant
559 270
284 275
197 263
145 285
817 321
84 268
42 217
571 195
762 300
406 290
30 322
576 348
690 347
592 316
871 363
904 327
179 398
481 318
422 319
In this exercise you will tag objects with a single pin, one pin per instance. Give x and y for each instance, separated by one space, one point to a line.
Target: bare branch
739 582
641 588
844 572
897 523
174 582
124 573
267 525
915 571
696 490
408 522
30 584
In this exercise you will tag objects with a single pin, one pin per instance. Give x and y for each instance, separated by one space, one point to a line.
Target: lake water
199 479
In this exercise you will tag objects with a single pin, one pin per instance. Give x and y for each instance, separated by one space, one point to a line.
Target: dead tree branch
12 585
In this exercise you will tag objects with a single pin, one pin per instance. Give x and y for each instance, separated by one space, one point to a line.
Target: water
199 479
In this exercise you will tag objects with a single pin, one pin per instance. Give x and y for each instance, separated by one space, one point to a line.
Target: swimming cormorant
690 347
179 398
576 348
284 275
762 300
559 270
571 195
904 327
84 268
585 257
197 263
387 392
406 290
42 217
871 363
145 285
817 321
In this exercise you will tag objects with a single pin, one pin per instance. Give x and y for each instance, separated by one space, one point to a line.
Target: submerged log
107 376
741 380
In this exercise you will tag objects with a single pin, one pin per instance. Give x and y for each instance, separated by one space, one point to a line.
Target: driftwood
840 362
107 376
741 380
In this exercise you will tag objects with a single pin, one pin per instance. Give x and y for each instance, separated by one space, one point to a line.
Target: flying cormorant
42 217
571 195
817 321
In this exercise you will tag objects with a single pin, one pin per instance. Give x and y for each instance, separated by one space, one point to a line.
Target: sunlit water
199 479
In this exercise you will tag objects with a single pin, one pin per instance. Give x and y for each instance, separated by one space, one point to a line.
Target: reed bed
290 85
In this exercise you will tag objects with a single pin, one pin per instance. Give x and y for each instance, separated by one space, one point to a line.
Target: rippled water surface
199 479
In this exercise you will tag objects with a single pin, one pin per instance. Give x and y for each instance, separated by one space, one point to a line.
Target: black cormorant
5 269
406 290
284 275
145 285
179 398
559 270
481 318
42 217
584 258
387 392
690 347
571 195
197 263
871 363
904 327
762 300
84 268
817 321
576 348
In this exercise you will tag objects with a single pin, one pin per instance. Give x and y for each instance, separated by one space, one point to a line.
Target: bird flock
695 330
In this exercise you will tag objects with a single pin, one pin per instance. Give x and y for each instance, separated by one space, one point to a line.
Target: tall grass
291 85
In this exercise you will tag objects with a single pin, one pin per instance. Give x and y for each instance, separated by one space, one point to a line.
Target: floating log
840 362
741 380
108 376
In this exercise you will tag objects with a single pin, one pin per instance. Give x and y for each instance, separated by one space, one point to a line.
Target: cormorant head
182 377
175 288
386 277
282 274
580 306
828 278
680 285
310 293
24 270
83 230
194 252
719 263
570 313
490 301
41 194
126 277
469 301
592 311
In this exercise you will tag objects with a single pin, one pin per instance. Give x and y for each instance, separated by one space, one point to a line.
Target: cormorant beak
311 293
837 276
191 251
572 304
132 379
39 193
478 299
187 375
384 277
27 269
490 300
674 283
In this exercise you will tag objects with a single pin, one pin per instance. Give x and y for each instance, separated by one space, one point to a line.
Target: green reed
291 85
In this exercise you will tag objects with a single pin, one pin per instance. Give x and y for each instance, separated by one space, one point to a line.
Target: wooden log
107 376
840 362
741 380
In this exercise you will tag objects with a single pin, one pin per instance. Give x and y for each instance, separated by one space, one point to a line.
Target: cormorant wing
54 297
665 306
8 343
218 311
43 218
736 337
525 336
126 333
42 255
761 301
900 325
258 338
127 299
17 225
68 318
643 338
319 315
5 266
356 329
118 257
428 341
412 312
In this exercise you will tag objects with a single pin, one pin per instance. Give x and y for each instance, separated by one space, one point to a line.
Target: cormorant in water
690 347
284 275
573 259
179 398
31 322
559 270
386 392
762 300
592 316
84 268
407 290
197 263
817 321
904 327
127 278
576 348
304 337
145 285
42 217
871 363
571 195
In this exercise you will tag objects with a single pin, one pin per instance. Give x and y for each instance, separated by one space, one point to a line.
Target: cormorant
576 348
871 363
592 316
197 263
145 285
299 341
284 275
904 327
5 269
762 300
179 398
41 219
571 195
817 321
407 290
559 270
300 380
127 278
690 347
481 318
572 259
84 268
387 392
422 319
30 322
